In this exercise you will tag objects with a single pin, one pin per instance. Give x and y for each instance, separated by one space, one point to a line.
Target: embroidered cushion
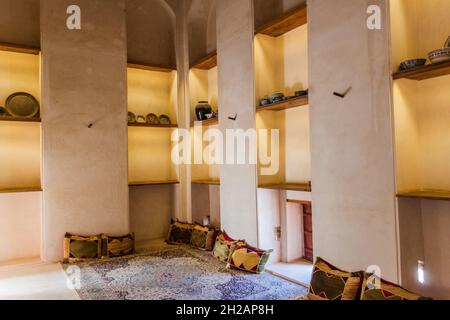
224 245
180 233
331 283
120 246
203 237
80 248
247 258
385 290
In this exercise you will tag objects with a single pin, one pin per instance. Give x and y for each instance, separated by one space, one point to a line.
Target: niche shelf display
203 79
20 138
151 90
420 101
281 66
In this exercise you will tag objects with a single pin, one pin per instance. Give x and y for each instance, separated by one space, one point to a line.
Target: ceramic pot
202 109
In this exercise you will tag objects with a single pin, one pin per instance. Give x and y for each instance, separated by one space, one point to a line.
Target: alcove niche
422 117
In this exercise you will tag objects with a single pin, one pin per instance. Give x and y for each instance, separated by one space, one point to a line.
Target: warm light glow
421 272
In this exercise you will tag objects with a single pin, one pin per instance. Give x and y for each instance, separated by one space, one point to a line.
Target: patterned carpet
178 273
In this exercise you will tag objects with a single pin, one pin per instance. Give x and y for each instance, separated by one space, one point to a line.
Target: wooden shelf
291 20
426 194
148 125
153 183
19 48
207 182
150 67
284 105
21 190
206 63
275 28
306 186
428 71
205 123
14 119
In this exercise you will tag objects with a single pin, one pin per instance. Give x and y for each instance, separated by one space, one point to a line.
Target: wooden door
308 232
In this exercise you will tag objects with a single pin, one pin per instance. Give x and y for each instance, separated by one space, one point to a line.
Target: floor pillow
385 290
120 246
224 245
331 283
249 259
180 233
203 237
81 248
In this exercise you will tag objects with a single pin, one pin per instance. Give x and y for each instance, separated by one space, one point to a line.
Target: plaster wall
269 217
237 96
84 170
351 139
151 210
20 225
19 22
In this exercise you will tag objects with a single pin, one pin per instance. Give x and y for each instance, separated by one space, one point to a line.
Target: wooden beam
291 20
16 119
153 183
20 190
206 63
150 67
19 48
426 194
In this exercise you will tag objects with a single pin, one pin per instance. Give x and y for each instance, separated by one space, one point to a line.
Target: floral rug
178 273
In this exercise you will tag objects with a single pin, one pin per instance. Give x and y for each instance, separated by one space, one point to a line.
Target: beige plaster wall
237 96
281 65
19 22
84 170
355 223
20 225
151 40
269 218
151 209
435 221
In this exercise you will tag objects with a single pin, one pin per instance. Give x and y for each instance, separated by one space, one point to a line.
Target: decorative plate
140 119
164 119
22 105
131 117
152 118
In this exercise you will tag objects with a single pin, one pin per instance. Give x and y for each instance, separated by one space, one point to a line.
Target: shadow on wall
151 40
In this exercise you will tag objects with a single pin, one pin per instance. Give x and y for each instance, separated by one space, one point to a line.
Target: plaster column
235 33
183 198
84 82
353 179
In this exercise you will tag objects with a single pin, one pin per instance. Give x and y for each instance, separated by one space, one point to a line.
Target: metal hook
233 118
342 95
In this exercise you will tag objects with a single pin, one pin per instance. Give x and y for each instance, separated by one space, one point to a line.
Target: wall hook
233 118
90 125
342 95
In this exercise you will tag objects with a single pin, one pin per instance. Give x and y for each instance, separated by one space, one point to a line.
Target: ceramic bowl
439 55
3 112
264 102
276 97
411 64
301 93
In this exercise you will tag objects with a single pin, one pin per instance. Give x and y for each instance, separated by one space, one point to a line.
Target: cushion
224 245
387 291
249 259
331 283
180 233
120 246
203 237
81 248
